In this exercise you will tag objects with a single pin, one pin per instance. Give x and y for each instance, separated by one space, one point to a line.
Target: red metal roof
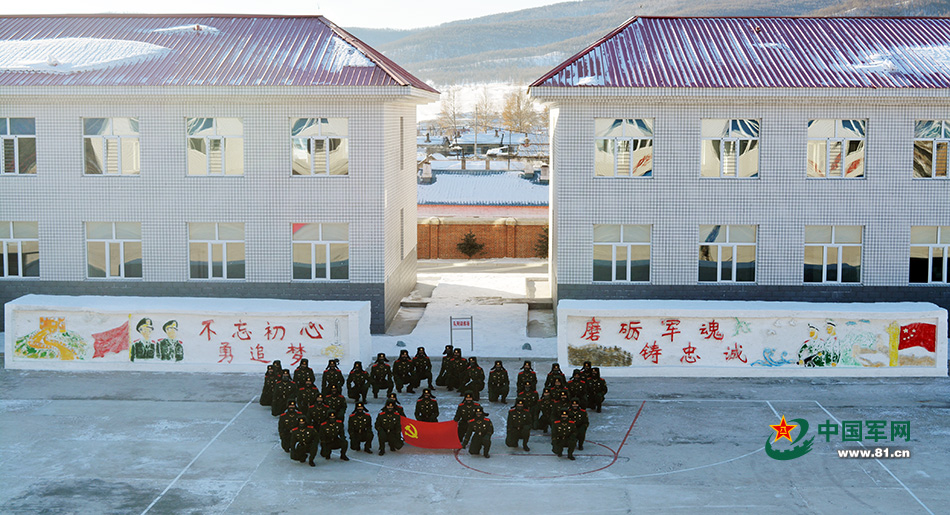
648 52
243 51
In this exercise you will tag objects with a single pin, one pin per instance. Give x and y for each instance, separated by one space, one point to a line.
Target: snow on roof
647 52
190 29
454 165
482 189
70 55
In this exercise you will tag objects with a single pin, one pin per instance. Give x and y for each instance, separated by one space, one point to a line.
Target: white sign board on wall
720 338
181 334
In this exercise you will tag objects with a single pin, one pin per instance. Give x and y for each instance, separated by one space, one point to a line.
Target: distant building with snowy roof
206 156
753 158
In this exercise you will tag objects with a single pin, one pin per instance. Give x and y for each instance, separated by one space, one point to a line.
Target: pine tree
469 245
541 247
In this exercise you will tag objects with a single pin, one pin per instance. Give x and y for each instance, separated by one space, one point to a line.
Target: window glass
922 234
607 233
95 126
99 230
817 234
847 234
336 232
608 128
201 231
306 232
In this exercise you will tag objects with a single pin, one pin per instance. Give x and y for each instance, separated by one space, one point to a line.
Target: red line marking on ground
631 427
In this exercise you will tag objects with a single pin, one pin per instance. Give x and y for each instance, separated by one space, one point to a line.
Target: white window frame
119 140
944 141
210 247
322 128
120 244
943 247
218 135
839 247
6 134
6 243
734 246
840 139
733 137
629 140
628 248
322 245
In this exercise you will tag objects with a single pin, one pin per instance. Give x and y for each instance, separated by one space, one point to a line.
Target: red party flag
431 435
113 340
918 335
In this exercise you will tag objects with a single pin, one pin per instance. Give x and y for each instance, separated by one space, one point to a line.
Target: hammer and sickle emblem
411 431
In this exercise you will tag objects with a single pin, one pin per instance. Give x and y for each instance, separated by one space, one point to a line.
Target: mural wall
257 332
731 338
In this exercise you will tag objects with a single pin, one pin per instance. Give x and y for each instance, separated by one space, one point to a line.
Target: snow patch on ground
71 55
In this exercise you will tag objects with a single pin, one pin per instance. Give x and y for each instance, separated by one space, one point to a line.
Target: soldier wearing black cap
427 408
447 357
421 369
357 382
391 396
306 442
284 390
360 428
577 388
563 434
389 428
554 375
381 375
144 347
170 348
479 431
335 400
332 376
597 389
527 378
402 371
456 373
267 391
474 378
519 426
498 383
465 412
532 402
304 372
318 412
287 421
307 395
578 415
333 436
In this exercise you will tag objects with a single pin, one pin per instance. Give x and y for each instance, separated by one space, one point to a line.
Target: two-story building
205 156
753 159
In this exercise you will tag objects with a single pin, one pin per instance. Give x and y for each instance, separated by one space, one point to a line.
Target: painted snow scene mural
194 335
726 338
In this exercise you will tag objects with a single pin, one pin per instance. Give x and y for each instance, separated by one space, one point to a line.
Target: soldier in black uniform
381 375
402 371
532 402
332 376
474 379
335 400
554 374
479 433
465 412
304 372
598 390
563 434
549 407
287 421
317 412
333 436
399 408
498 383
421 369
519 426
306 442
357 382
578 415
267 392
307 395
284 390
447 356
458 365
577 388
427 408
527 378
389 428
360 428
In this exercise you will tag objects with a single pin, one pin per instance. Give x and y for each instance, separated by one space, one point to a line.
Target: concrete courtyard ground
200 443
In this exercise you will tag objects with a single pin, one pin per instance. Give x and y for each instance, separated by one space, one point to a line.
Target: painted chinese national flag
431 435
919 335
113 340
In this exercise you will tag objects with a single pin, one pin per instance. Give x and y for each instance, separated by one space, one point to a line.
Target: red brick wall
502 238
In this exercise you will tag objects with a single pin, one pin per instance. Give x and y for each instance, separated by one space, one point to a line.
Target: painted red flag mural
113 340
431 435
919 335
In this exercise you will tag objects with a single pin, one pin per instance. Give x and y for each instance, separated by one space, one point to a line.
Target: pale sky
398 14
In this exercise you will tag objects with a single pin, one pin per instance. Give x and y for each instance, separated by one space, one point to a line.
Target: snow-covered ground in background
468 96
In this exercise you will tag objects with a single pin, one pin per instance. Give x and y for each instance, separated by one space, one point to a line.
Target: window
216 251
836 148
18 149
930 148
622 253
320 146
111 146
114 250
215 146
929 248
623 148
730 148
19 249
321 252
727 253
833 253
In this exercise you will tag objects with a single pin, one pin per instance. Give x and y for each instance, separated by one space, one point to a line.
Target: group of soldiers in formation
311 418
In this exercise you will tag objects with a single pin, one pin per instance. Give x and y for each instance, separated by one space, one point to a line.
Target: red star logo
783 430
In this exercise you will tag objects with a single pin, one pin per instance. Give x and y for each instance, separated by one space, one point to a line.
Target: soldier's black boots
367 449
382 451
525 447
312 464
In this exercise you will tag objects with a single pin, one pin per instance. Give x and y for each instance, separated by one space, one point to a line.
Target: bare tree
450 113
486 112
519 113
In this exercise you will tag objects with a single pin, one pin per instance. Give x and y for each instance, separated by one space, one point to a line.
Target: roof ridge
585 51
